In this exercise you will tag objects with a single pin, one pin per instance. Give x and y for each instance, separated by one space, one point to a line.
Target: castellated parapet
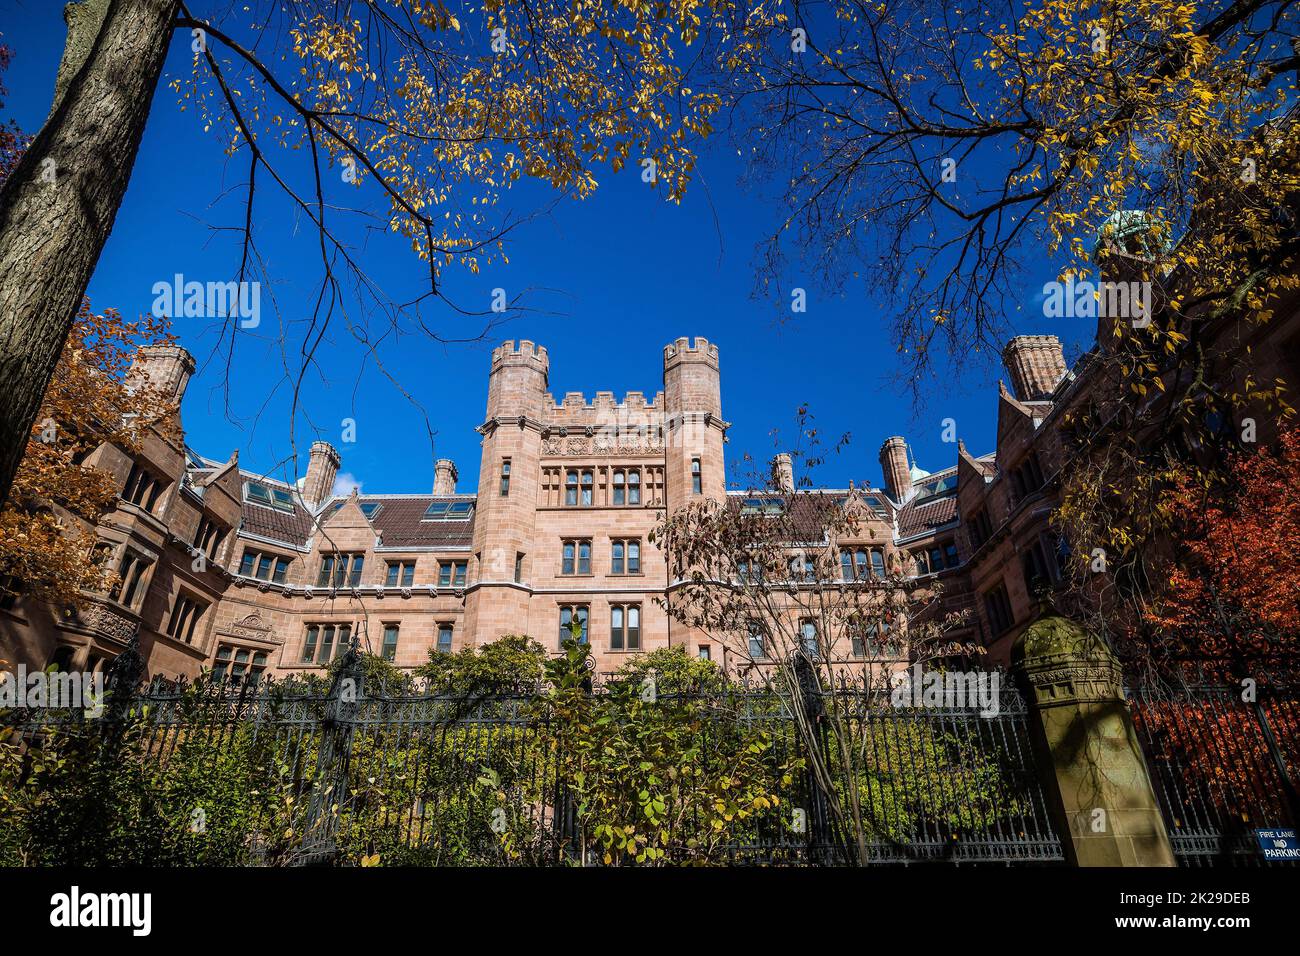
527 354
691 378
518 380
575 411
682 351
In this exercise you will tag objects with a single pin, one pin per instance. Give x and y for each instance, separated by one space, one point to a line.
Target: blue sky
612 280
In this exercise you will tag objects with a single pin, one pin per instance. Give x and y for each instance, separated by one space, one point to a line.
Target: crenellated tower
693 427
506 511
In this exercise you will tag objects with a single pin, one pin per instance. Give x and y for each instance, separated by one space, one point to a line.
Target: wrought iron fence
354 774
1223 760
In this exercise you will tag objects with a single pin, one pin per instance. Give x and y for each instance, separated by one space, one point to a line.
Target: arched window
571 488
586 489
62 659
634 487
620 491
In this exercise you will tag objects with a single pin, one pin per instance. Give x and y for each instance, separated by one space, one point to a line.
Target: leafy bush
509 759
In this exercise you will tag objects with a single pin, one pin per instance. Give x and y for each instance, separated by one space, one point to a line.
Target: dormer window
268 496
937 489
449 511
368 508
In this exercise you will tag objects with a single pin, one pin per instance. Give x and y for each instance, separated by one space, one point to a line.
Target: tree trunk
58 206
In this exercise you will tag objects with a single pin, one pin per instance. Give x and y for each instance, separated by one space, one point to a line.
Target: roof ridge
412 495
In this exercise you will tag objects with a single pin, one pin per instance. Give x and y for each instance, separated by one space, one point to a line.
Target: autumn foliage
47 527
12 139
1233 583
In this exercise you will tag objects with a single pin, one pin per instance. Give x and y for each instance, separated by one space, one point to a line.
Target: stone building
229 570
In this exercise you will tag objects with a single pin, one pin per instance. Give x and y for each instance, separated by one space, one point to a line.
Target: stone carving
253 622
1058 679
605 442
253 627
107 622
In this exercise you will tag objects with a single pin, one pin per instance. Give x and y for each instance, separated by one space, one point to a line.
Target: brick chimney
444 477
893 464
322 469
783 472
165 367
1036 364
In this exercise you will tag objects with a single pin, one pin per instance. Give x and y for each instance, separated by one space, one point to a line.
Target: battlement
682 351
604 401
527 354
575 411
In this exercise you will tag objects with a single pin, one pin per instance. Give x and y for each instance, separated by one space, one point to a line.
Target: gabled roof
291 524
400 521
916 518
812 507
292 527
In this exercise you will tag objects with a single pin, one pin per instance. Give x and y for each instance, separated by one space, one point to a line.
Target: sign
1278 844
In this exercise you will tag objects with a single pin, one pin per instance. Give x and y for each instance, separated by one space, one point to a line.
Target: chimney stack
783 472
1036 363
893 464
444 477
322 469
165 367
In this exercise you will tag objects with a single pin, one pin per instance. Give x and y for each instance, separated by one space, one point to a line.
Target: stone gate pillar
1105 807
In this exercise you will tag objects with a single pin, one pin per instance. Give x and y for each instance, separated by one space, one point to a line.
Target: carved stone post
1104 803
